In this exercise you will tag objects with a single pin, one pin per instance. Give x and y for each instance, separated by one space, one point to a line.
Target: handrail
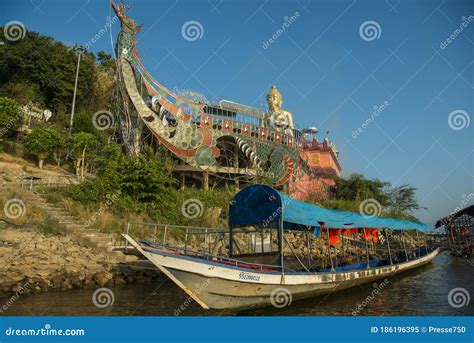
208 256
176 226
215 230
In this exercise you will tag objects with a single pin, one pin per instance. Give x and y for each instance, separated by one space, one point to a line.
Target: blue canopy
262 205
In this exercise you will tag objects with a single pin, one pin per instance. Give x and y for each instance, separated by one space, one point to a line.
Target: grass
31 216
47 227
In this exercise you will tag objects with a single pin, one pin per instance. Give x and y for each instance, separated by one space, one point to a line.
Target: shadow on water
423 291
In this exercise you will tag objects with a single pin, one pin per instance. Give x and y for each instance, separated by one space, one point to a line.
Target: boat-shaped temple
267 255
221 142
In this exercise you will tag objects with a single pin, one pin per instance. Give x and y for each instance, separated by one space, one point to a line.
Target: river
420 292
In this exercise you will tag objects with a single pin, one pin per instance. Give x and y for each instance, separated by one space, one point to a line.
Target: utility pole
79 50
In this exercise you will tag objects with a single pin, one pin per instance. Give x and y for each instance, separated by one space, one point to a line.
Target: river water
423 291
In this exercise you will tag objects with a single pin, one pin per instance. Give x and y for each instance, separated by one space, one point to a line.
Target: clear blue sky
329 76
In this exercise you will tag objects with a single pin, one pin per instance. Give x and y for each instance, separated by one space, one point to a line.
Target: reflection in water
423 291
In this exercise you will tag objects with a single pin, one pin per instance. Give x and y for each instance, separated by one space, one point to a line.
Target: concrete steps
72 226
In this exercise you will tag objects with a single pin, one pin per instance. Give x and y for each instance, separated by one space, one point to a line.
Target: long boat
251 275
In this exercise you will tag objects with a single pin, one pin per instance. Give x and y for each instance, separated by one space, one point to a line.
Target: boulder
76 280
102 278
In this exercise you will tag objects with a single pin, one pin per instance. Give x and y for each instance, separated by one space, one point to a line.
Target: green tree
402 200
50 67
357 187
397 202
81 143
11 116
83 123
106 61
42 143
60 149
147 177
23 92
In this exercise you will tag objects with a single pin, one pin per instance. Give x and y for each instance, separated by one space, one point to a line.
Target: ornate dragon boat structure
226 140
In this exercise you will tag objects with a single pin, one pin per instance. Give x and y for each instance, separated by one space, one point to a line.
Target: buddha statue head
274 100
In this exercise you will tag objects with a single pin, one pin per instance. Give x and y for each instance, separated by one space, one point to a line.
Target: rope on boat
289 244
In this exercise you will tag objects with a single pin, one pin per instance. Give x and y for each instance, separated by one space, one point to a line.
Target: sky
392 81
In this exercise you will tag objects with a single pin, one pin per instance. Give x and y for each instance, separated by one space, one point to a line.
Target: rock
30 259
57 281
43 272
13 236
42 246
76 280
5 251
102 278
67 284
82 261
53 262
14 277
89 282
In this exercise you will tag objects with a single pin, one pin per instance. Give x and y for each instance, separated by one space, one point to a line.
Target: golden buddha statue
277 118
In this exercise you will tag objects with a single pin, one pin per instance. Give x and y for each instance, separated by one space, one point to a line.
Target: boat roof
264 206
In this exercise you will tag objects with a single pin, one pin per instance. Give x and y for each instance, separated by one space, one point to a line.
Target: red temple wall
316 187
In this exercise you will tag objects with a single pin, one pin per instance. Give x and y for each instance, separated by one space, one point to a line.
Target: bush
43 142
11 116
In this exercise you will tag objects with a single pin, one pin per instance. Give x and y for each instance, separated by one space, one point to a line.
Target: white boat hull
221 286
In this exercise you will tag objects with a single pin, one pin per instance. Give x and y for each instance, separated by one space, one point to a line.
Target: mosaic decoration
224 146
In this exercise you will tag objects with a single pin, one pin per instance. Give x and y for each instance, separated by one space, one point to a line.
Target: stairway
70 225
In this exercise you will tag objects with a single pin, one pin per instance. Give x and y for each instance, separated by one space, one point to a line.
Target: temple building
219 144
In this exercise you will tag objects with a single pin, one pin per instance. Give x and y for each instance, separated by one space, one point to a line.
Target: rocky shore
33 262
